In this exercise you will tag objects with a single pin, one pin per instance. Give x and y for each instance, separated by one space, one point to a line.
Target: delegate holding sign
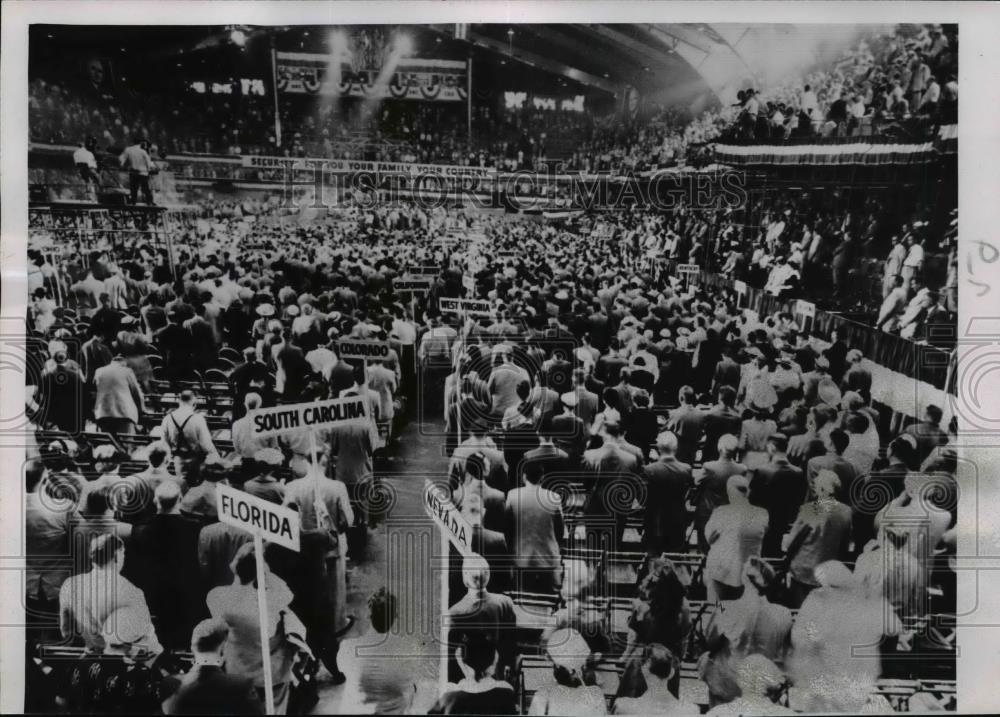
307 416
258 516
357 348
472 307
442 511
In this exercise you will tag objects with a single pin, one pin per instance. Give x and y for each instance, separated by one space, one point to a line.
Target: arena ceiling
681 63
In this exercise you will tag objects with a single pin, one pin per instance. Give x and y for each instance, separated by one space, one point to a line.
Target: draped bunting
918 362
866 153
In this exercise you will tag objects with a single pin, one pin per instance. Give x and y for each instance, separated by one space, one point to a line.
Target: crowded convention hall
491 369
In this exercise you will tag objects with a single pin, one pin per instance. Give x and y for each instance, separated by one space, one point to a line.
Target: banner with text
352 166
306 73
307 416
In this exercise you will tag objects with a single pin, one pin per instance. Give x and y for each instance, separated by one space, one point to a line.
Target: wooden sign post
264 520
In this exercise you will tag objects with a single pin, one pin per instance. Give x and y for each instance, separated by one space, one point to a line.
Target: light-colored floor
402 555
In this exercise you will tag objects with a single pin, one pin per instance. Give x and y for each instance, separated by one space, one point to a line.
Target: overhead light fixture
238 37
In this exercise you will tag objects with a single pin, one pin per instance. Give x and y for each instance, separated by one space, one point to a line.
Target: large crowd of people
896 83
774 514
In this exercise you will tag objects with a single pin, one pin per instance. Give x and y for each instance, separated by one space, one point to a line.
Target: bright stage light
238 37
404 45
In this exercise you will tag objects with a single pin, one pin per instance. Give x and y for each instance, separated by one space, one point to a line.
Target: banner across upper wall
350 166
414 78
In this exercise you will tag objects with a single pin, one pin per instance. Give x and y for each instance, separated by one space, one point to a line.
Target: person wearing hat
811 380
734 532
567 694
199 503
61 394
207 689
264 484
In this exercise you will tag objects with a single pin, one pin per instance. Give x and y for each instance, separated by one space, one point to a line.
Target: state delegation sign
258 516
472 307
688 269
360 349
307 416
442 511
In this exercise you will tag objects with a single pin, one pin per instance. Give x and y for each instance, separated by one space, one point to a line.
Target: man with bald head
161 558
667 483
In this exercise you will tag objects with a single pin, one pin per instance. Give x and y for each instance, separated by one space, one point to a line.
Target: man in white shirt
893 265
86 163
808 103
913 262
137 162
929 102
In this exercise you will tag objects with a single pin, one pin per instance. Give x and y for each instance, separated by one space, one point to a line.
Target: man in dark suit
587 401
727 371
641 425
884 485
251 376
780 488
686 422
710 492
481 610
207 689
533 523
833 460
667 483
547 458
569 431
162 560
609 366
720 420
614 475
858 378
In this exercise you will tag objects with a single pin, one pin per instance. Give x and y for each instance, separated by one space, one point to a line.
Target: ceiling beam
650 54
669 33
566 42
532 59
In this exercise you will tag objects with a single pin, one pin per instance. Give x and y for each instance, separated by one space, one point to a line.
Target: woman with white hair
821 532
759 681
568 694
835 641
